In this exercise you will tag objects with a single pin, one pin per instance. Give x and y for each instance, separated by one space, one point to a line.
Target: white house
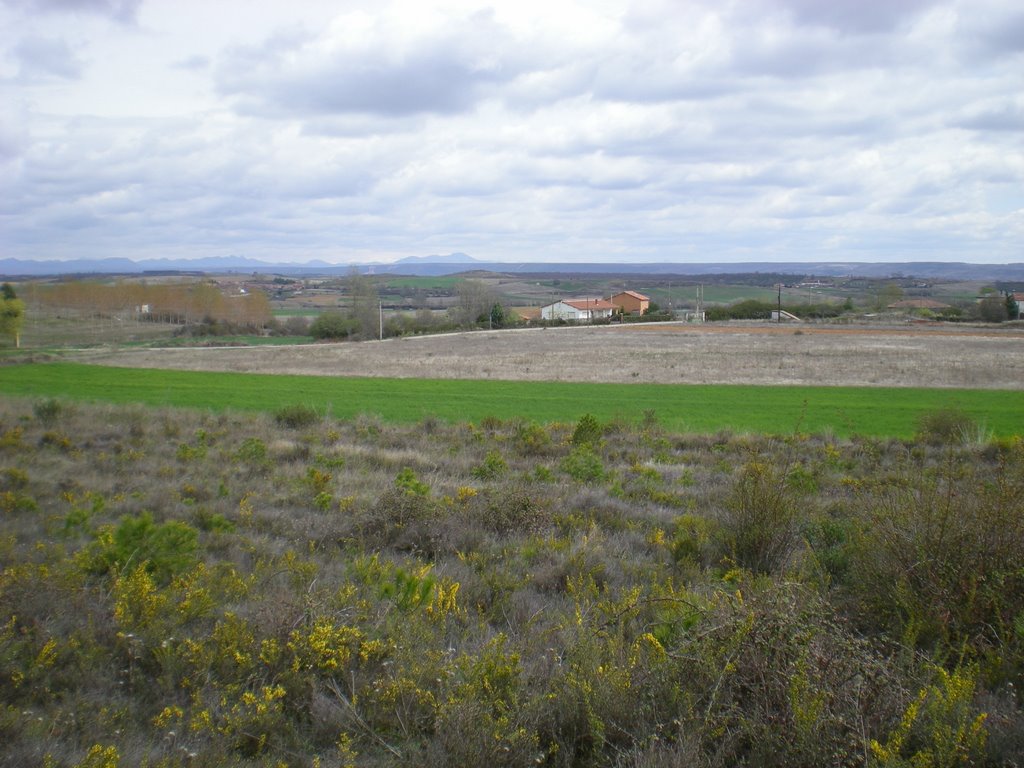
577 309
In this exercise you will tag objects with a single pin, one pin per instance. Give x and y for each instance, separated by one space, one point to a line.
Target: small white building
784 317
581 310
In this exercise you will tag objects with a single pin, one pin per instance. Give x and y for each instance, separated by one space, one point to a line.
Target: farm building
631 302
577 309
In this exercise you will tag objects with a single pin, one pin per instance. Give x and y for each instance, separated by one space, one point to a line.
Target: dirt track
663 353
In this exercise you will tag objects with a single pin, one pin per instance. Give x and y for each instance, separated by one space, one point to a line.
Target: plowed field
912 356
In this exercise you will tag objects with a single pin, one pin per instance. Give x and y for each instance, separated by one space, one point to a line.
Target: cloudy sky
514 130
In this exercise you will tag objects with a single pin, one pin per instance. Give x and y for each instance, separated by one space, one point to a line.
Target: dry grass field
673 353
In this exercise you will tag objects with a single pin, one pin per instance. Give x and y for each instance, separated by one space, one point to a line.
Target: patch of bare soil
671 353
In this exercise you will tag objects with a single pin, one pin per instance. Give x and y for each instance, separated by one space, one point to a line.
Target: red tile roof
634 294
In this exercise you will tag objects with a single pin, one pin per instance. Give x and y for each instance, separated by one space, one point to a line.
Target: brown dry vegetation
968 357
193 589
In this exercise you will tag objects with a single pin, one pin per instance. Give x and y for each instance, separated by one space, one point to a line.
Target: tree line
180 303
476 306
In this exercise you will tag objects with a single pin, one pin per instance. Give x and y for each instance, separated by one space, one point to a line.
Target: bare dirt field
971 357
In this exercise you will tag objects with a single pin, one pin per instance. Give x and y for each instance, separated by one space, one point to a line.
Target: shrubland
188 588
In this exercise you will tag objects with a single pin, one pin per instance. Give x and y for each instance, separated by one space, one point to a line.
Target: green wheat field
881 412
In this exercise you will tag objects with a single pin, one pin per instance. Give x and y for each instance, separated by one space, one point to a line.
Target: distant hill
455 263
23 268
450 259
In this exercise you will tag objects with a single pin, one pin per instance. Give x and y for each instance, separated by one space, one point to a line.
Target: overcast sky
527 130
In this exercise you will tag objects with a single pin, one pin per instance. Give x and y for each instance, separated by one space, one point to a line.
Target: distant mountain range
455 263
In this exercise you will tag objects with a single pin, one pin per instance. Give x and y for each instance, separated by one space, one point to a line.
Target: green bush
940 727
760 518
49 411
296 416
510 511
213 522
252 450
492 467
333 325
13 483
163 550
694 540
408 483
403 520
532 440
796 687
939 561
583 465
948 425
588 431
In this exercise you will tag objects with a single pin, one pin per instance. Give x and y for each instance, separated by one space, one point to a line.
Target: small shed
782 316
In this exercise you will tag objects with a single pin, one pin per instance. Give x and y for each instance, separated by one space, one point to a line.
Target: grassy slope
843 410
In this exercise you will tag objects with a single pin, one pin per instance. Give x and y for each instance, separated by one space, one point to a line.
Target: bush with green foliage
939 561
333 326
492 467
296 416
948 425
583 465
48 411
761 517
162 549
12 314
532 440
588 431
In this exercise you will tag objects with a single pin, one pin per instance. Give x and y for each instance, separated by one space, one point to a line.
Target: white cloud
775 129
43 57
123 11
376 64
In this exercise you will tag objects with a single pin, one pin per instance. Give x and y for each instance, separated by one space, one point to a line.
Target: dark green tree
498 318
1012 307
12 314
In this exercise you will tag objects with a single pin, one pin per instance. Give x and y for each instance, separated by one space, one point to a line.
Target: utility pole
778 315
380 322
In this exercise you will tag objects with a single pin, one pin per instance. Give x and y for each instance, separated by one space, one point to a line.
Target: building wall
559 311
630 303
562 311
